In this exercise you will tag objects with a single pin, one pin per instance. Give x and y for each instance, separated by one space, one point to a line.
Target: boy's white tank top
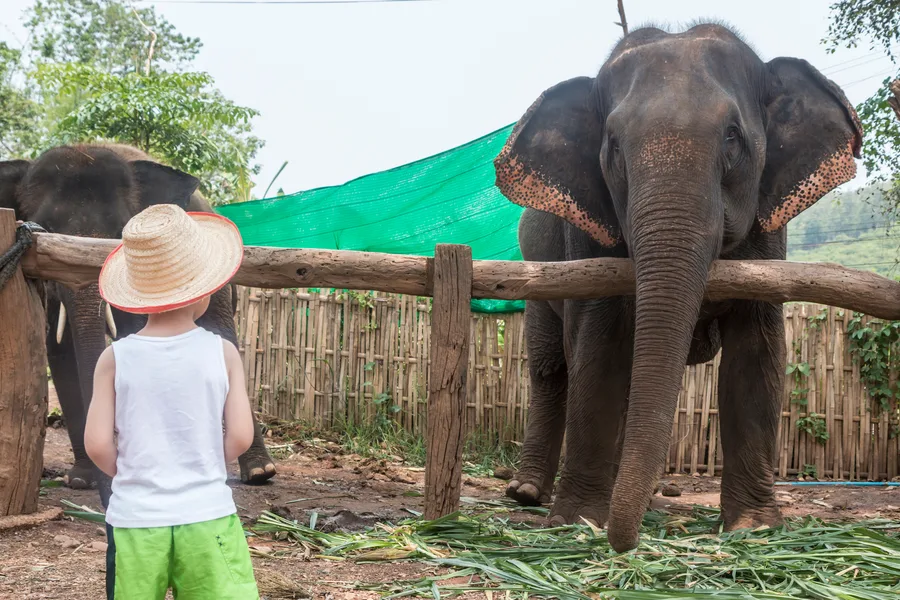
170 399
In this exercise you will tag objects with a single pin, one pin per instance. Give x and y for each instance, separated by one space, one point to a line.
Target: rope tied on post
9 261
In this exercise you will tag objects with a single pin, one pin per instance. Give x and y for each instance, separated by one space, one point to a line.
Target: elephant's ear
551 161
159 184
11 173
813 134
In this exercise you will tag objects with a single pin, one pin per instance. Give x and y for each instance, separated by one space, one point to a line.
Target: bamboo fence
328 358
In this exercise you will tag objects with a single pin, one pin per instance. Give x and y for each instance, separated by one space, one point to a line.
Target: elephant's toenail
557 521
528 490
270 468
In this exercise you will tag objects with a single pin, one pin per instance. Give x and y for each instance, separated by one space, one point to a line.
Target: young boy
165 392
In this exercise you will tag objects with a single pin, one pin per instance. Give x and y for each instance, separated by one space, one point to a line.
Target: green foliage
485 451
844 228
108 35
878 21
799 372
492 552
810 471
874 347
92 77
18 113
178 117
814 425
853 20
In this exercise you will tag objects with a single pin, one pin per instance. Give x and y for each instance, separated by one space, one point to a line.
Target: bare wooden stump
23 386
445 430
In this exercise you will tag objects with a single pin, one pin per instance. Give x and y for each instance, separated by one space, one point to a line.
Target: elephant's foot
256 467
82 475
744 518
571 510
527 491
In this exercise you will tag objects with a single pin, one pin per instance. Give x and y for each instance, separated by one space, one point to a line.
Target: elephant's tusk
61 325
110 322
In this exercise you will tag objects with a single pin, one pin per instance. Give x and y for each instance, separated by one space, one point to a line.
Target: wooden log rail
77 261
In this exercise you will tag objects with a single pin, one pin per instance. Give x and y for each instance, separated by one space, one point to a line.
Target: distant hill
847 228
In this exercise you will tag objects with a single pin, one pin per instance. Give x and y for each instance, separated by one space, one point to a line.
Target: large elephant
92 191
685 148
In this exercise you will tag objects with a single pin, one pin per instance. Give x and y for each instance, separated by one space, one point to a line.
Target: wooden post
23 386
450 314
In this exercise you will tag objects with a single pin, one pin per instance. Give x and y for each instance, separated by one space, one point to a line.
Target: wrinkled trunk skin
675 237
89 334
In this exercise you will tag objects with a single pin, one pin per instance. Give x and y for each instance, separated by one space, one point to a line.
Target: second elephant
92 190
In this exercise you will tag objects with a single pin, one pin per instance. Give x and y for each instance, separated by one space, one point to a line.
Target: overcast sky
345 90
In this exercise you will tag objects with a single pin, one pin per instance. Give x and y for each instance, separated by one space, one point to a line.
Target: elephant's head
89 191
682 148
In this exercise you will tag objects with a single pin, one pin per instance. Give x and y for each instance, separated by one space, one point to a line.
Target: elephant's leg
751 379
256 465
599 370
539 461
64 371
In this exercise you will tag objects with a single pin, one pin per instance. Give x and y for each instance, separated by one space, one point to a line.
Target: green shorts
200 561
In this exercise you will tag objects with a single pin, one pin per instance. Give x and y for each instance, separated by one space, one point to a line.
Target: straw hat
170 258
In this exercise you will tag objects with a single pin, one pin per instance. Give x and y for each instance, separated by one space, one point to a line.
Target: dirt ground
65 559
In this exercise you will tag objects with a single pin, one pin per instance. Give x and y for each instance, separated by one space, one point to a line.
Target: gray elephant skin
685 148
92 191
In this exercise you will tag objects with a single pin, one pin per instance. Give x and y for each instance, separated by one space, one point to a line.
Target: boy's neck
169 324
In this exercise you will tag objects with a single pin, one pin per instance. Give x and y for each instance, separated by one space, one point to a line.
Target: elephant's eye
733 147
732 134
614 160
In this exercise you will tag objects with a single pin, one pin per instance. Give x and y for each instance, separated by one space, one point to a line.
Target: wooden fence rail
329 357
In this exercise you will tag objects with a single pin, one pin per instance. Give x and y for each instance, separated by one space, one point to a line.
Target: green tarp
449 198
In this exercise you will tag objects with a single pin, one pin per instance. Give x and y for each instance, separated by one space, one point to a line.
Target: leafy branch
178 117
874 347
799 371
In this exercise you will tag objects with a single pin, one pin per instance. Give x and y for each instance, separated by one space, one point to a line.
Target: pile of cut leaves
680 556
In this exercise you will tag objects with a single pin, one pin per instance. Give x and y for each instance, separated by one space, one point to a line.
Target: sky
349 89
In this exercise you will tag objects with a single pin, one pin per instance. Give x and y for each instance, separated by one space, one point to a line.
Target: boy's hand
99 429
238 416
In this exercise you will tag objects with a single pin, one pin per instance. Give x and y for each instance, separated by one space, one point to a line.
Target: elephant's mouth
103 307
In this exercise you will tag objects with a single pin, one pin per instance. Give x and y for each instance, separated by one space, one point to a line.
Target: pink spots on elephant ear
527 189
833 171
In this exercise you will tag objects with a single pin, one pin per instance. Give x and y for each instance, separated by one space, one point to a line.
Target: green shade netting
449 198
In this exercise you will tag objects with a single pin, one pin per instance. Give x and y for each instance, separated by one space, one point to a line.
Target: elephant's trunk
88 323
675 237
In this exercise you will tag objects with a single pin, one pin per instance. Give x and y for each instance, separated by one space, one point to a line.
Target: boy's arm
238 416
99 429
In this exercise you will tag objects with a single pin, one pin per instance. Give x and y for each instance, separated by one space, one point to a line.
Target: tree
18 113
92 72
109 35
877 21
178 117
